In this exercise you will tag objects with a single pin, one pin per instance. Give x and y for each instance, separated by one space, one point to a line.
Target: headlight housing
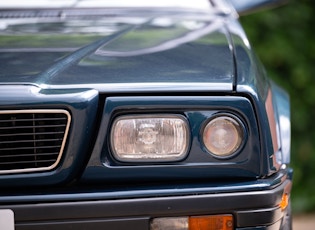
223 135
150 138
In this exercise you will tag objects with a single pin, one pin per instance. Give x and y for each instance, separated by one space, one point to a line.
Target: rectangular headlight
150 138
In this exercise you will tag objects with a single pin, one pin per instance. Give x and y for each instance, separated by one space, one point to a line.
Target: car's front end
139 118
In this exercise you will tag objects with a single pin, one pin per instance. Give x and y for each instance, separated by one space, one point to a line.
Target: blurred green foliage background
284 40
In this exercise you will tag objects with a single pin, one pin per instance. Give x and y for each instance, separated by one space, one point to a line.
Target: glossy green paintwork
153 49
99 64
82 105
198 59
199 163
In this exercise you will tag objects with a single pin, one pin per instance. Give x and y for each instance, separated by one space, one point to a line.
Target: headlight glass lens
154 138
223 136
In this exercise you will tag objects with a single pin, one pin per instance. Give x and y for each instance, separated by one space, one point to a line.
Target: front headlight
223 135
150 138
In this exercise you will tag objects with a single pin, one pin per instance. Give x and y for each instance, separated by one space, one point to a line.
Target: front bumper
254 209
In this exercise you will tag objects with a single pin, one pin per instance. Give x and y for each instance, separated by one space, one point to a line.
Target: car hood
118 53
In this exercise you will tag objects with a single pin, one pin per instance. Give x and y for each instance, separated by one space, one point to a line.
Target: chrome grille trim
49 131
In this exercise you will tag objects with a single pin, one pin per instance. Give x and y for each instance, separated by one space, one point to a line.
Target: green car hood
184 51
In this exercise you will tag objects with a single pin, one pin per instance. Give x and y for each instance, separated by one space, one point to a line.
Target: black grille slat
38 120
28 141
27 134
31 127
26 155
28 148
31 140
27 162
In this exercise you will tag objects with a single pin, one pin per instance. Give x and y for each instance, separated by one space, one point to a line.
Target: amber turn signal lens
209 222
215 222
284 201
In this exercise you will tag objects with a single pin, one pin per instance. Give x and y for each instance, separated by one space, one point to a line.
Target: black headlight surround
199 163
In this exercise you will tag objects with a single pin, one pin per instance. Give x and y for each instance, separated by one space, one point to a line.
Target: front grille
32 140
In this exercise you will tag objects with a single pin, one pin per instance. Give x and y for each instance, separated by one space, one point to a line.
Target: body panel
80 104
243 205
99 64
116 54
199 163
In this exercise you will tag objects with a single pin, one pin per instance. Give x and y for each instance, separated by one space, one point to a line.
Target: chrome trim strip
148 87
14 171
137 87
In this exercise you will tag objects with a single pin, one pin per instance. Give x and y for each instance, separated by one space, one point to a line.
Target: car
139 115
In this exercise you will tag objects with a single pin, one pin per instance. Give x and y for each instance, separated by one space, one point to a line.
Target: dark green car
139 115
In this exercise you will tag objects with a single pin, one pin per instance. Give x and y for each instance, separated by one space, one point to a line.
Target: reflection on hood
118 49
